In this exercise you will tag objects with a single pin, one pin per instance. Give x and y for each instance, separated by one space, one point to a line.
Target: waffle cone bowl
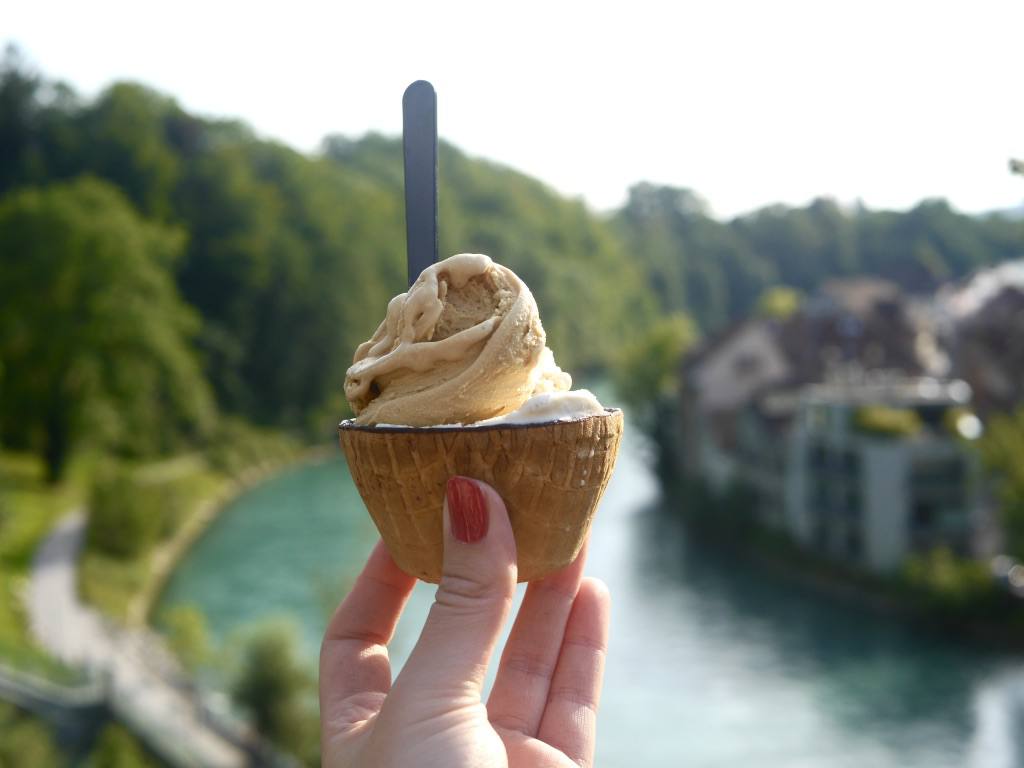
551 477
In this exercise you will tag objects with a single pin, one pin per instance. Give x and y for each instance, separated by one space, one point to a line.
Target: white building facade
873 499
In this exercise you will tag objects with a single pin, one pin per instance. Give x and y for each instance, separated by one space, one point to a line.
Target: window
922 516
746 364
854 543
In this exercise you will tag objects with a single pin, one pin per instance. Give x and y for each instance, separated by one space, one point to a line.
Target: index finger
354 656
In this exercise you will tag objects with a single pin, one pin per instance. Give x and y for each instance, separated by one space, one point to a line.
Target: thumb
478 583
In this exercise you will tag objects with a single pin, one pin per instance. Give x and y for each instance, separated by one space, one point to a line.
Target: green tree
647 376
19 90
277 690
116 747
91 322
283 248
693 263
124 517
1002 447
127 130
39 140
649 369
779 302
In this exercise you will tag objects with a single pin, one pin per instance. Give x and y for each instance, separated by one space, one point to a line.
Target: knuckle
556 592
530 665
578 696
459 591
591 646
512 723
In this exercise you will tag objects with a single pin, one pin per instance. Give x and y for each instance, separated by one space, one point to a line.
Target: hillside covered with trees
718 271
160 270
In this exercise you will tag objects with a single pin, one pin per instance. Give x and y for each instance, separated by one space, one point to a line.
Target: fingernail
467 509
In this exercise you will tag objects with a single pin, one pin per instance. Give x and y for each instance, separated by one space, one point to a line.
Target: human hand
542 711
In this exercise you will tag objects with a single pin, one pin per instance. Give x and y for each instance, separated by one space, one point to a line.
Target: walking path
144 686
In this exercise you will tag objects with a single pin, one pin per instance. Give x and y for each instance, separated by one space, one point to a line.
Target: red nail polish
467 509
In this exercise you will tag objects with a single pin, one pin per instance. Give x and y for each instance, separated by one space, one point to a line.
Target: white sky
748 103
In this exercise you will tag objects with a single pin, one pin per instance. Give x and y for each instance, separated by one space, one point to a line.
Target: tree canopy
718 271
277 691
94 338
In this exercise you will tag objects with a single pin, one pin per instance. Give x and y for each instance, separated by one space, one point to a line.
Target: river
713 663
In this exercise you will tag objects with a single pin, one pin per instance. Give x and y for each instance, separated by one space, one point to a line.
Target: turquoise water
285 548
713 662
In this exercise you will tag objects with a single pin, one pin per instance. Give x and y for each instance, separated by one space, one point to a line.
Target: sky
747 103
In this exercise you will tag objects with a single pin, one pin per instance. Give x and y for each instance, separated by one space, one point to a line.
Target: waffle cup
550 475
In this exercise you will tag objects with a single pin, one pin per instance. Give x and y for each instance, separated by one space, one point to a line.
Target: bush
1001 448
883 421
779 302
237 446
951 586
124 516
277 690
130 509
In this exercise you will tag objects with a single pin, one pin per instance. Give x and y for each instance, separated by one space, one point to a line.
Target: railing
29 690
73 712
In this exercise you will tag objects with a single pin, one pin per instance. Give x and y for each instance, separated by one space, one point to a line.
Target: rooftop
965 299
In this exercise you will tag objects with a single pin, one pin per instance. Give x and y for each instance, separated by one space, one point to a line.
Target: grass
122 588
29 507
27 740
109 583
112 583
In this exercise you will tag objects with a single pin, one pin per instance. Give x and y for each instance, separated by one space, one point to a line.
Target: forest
161 270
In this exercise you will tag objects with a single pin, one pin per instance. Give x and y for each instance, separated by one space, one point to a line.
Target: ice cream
458 380
464 345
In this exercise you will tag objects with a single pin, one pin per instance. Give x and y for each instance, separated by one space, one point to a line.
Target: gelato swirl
464 344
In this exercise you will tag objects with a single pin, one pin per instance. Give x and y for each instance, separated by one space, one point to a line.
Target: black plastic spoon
419 141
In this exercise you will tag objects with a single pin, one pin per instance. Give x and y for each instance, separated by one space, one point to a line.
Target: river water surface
713 662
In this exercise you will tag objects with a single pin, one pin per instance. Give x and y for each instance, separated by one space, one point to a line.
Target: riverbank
192 490
936 592
168 556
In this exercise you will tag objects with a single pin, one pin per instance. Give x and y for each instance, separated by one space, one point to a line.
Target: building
877 470
740 389
795 410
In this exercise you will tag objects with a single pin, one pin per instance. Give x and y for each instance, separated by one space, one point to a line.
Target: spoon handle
419 141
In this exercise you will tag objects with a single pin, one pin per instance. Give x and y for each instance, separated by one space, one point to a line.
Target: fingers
528 662
353 656
569 722
473 598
